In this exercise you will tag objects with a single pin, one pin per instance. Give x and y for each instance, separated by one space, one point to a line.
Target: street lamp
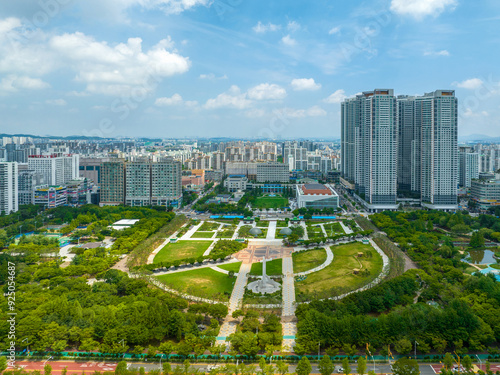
480 363
20 227
48 359
416 343
27 344
319 347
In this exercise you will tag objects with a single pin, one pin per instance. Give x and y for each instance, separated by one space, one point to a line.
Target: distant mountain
478 138
71 137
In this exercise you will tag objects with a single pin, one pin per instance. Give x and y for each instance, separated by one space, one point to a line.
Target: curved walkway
328 261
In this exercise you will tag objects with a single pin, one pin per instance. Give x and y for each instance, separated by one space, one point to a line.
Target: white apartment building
56 170
8 187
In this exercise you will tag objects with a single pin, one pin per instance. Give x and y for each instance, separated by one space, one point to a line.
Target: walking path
271 231
192 231
167 240
328 261
229 325
288 310
303 225
346 229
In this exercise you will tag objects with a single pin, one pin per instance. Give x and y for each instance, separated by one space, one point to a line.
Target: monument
265 285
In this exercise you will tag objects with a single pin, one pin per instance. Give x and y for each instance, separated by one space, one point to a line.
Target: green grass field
333 229
235 267
273 267
313 231
209 226
182 250
307 260
200 234
338 277
263 224
203 282
270 202
281 224
226 233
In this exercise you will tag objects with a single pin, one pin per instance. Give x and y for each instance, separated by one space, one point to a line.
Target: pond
481 257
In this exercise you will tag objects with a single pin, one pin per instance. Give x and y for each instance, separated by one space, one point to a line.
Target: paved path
167 240
235 302
303 225
288 310
271 231
346 229
192 231
206 265
328 261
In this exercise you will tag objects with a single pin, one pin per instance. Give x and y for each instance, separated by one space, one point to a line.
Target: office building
272 172
317 196
28 181
369 147
486 192
50 196
8 187
468 166
235 183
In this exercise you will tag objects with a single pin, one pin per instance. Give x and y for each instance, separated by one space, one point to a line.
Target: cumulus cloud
470 84
57 102
337 97
267 91
174 100
14 83
293 26
421 8
288 41
261 28
103 68
300 84
230 99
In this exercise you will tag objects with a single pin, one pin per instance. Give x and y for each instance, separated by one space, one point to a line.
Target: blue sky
237 68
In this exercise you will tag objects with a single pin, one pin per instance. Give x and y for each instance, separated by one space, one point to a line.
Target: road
91 366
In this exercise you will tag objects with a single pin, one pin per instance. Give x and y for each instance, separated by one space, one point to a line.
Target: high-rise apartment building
28 180
369 147
468 166
56 169
8 187
416 134
112 183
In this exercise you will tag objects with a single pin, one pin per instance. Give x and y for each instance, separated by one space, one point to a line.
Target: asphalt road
91 366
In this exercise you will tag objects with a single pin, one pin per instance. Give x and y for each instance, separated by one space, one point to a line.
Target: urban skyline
275 71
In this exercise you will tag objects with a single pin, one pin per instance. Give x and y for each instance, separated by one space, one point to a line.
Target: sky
237 68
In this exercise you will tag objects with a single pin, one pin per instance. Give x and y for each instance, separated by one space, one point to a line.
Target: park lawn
281 224
263 224
339 274
273 267
201 234
206 226
307 260
182 250
270 202
235 267
313 231
333 229
203 282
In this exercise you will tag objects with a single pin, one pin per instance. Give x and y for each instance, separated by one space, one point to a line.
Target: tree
403 346
262 364
448 361
304 367
325 366
3 363
47 369
64 371
282 367
477 240
346 369
361 365
467 363
121 368
167 369
350 350
405 366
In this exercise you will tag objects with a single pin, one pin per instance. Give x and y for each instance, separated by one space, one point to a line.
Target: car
339 369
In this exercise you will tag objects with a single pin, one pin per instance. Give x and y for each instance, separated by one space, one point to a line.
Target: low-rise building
236 182
317 196
486 193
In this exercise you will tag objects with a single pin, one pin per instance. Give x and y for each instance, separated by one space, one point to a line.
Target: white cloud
293 26
470 84
421 8
261 28
337 97
174 100
231 99
334 30
289 41
267 91
212 77
14 83
99 108
314 111
103 68
437 53
255 113
300 84
57 102
9 24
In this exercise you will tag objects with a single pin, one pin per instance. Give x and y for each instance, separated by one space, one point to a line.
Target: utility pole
416 343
